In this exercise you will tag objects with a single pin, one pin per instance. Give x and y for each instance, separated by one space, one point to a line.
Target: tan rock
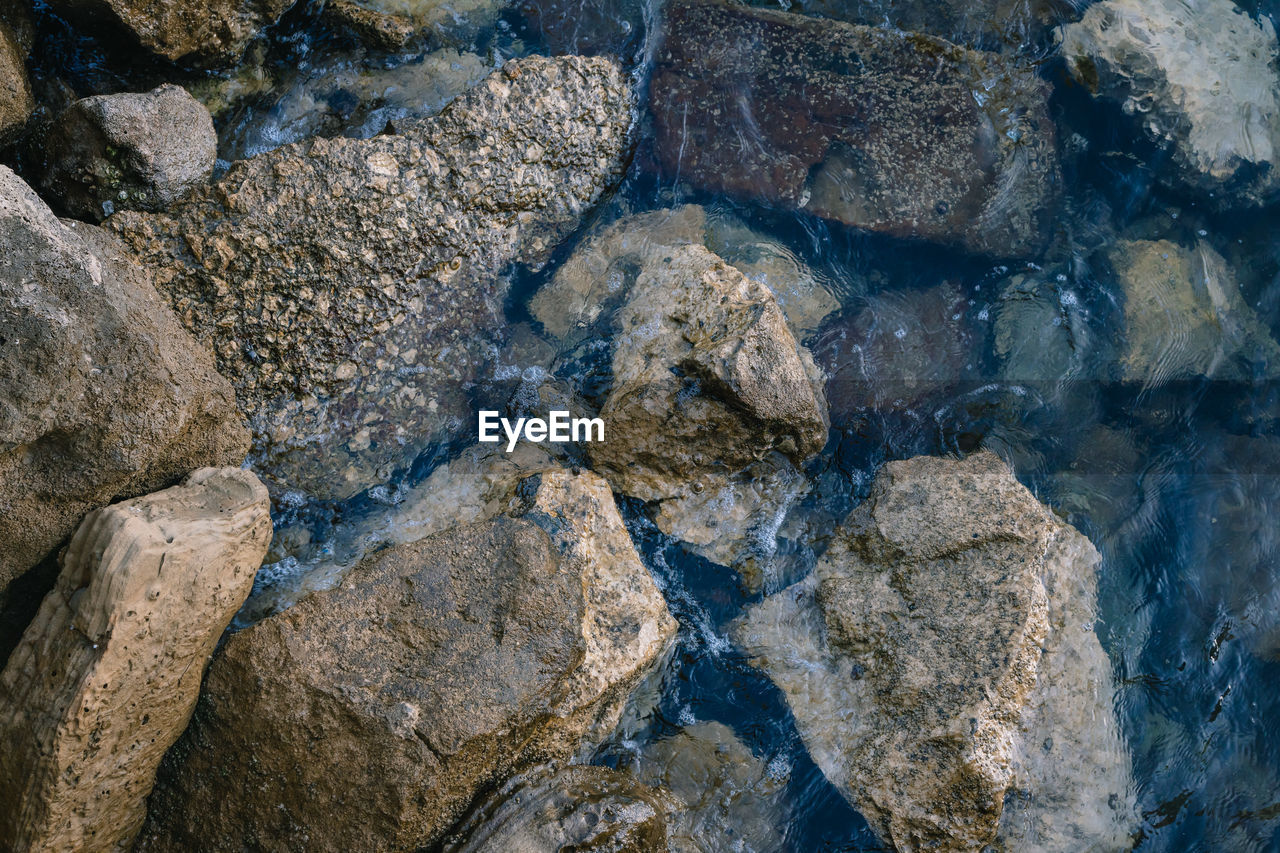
15 90
436 670
939 645
103 395
106 676
351 288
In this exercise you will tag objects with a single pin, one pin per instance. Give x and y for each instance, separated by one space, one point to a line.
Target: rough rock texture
137 151
707 381
878 129
436 670
106 676
1015 24
1185 316
350 287
103 394
578 808
210 32
939 665
15 90
729 799
594 280
391 24
1199 76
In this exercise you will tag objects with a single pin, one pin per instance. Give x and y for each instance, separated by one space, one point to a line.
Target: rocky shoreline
244 394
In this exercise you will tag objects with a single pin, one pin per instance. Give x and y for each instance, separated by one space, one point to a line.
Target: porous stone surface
15 89
391 24
434 672
1185 316
993 24
351 289
212 32
129 151
707 381
899 133
103 395
941 668
1200 77
105 678
576 808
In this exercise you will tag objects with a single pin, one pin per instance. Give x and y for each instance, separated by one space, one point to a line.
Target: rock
1199 77
204 33
902 350
15 90
707 382
1185 316
392 24
593 281
938 672
728 798
106 676
131 151
1040 334
586 809
103 395
877 129
1013 24
351 288
434 672
587 27
382 31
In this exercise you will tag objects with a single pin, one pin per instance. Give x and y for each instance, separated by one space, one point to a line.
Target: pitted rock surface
351 288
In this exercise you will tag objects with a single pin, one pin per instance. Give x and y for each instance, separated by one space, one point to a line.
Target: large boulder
899 133
1200 77
139 151
708 384
103 394
942 669
435 671
194 33
105 678
1185 316
351 288
15 89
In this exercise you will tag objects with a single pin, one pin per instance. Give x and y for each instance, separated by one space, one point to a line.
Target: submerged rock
729 799
103 395
391 24
1039 333
1200 77
1185 316
581 809
707 381
15 90
351 288
898 133
106 676
941 668
436 670
209 32
134 151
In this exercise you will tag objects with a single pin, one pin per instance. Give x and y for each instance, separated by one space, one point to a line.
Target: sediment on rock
351 288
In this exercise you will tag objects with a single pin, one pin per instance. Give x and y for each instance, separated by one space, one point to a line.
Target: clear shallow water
1178 484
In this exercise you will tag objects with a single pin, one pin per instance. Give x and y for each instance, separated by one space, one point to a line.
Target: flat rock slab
898 133
105 678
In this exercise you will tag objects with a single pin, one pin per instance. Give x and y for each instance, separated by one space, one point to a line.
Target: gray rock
107 675
1185 316
131 151
15 90
586 809
210 32
1040 335
1008 24
1199 77
350 287
941 669
103 395
435 671
898 133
